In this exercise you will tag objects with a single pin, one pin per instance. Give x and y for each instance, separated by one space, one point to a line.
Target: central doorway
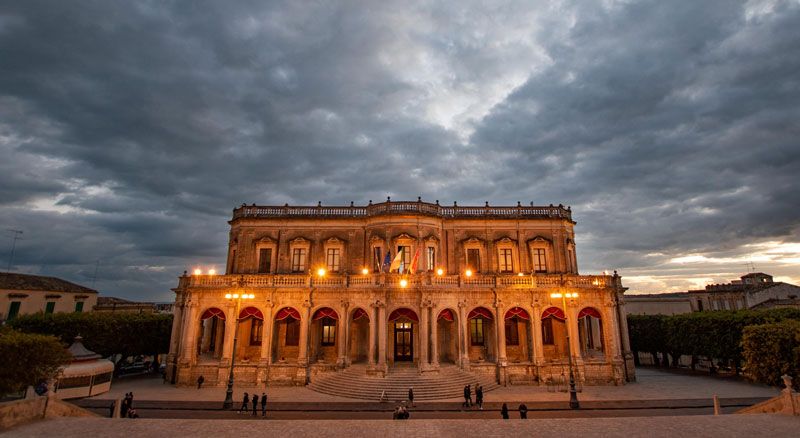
403 341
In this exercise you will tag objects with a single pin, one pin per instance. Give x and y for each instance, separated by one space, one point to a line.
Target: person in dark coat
479 396
467 397
123 411
255 404
504 411
411 396
111 408
200 381
263 404
245 403
523 411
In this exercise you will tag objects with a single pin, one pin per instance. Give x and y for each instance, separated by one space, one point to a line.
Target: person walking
255 404
123 411
467 396
523 411
504 411
263 404
245 403
411 397
479 396
200 381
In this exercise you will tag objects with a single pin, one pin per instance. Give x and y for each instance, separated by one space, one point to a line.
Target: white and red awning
287 312
213 312
589 311
480 312
360 313
446 315
518 312
555 312
403 313
251 312
325 312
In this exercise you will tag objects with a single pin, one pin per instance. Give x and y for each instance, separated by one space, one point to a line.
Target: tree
29 359
772 350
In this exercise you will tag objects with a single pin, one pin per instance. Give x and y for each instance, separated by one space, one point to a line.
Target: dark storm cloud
129 130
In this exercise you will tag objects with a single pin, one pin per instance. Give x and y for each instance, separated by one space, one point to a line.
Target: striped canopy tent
287 312
555 312
213 312
251 312
517 312
325 312
360 313
480 312
403 313
446 315
589 311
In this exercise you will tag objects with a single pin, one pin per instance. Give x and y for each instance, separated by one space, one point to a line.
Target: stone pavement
652 384
748 426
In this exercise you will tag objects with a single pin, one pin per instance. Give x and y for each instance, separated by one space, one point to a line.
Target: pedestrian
411 396
504 411
111 409
132 414
467 397
255 404
130 400
263 404
396 413
200 381
124 407
479 396
245 403
523 411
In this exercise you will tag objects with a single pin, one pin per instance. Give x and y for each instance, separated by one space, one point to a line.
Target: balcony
427 280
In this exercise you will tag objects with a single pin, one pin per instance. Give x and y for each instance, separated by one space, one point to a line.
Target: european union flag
387 261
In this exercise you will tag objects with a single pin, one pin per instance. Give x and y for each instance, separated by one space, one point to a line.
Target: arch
249 312
446 314
589 311
480 312
357 341
287 312
590 333
403 312
517 312
285 335
325 312
359 313
212 312
555 312
447 338
554 334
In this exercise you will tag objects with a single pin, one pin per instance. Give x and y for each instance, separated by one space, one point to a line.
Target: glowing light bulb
468 273
365 271
403 283
198 271
212 271
321 272
440 272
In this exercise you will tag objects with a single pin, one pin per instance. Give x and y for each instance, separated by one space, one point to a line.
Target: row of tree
713 335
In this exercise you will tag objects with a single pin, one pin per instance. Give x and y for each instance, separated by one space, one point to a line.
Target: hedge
28 359
772 350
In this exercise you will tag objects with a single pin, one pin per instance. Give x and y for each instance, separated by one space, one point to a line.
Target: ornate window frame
540 242
299 243
266 242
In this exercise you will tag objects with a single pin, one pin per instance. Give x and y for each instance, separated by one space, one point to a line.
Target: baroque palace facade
306 290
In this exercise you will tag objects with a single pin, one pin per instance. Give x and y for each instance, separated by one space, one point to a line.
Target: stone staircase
353 382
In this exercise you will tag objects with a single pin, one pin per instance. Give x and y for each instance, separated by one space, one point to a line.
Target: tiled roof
12 281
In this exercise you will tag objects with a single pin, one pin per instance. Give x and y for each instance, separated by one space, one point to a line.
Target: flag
397 262
386 261
414 262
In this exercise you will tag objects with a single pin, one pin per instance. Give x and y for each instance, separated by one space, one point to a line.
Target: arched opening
251 331
212 334
590 333
480 335
402 325
447 337
286 335
324 333
517 329
359 336
554 334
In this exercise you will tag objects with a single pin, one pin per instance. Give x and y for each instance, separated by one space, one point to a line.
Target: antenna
17 234
94 279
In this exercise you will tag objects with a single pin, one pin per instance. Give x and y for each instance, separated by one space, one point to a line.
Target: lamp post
238 299
573 395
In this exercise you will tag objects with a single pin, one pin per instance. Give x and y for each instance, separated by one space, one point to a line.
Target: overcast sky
130 129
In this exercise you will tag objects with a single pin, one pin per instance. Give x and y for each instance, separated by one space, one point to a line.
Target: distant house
113 304
752 291
22 294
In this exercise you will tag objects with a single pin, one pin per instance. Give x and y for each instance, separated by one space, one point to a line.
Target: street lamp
238 299
573 395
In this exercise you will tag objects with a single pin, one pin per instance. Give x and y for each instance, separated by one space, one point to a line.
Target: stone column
382 335
501 336
611 347
434 339
538 344
266 337
572 329
463 326
423 336
230 330
373 336
341 340
188 341
177 331
302 352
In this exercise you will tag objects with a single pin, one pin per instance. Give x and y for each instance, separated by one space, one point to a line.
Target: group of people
246 401
126 410
400 413
468 396
523 411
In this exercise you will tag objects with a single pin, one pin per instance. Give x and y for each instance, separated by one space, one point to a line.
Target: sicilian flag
386 261
397 263
414 262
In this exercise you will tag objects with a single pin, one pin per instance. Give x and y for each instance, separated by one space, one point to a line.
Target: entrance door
403 342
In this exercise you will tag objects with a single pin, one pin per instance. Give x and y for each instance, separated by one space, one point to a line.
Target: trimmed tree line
753 341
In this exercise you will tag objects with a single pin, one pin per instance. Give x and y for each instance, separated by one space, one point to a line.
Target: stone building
475 291
22 294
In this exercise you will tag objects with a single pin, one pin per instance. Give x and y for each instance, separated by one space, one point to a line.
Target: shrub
28 359
772 350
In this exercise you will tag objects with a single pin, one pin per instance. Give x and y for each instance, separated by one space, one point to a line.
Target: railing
404 207
546 281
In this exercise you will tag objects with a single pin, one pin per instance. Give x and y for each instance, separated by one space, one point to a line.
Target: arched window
479 318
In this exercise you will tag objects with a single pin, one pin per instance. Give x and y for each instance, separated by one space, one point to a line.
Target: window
547 331
299 260
431 257
292 333
50 307
476 331
13 310
256 331
512 332
406 257
328 331
474 259
506 261
265 260
539 260
333 259
79 307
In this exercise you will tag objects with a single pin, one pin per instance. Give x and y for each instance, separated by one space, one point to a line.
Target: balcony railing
538 281
404 207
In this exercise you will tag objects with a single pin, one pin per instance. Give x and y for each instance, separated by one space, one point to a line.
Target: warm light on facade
227 296
440 272
212 271
365 271
321 272
566 295
520 274
198 271
235 296
468 273
403 283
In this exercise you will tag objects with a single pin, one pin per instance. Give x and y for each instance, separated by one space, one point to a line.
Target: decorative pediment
505 239
539 239
300 240
404 236
473 240
266 240
432 238
375 240
334 241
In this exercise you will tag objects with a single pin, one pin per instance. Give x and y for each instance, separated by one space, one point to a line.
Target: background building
475 293
22 294
113 304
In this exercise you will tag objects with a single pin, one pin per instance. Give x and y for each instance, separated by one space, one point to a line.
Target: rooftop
13 281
